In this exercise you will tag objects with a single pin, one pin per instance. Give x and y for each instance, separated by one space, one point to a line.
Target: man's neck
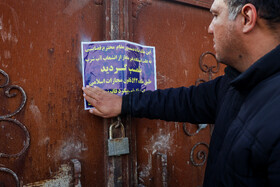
257 46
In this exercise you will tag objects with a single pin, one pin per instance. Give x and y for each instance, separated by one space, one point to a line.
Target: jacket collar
266 66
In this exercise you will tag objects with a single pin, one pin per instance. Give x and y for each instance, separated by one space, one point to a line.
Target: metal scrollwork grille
4 82
201 155
6 170
206 68
200 127
210 69
8 118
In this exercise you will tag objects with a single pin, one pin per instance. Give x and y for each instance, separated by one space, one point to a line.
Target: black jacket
245 144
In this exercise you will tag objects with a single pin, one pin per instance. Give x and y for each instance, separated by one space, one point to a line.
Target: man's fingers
95 112
91 100
93 92
97 89
88 90
89 93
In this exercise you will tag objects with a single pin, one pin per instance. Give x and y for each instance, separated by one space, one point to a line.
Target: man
244 104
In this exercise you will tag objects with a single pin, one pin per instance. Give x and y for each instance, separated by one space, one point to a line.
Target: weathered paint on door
179 32
40 52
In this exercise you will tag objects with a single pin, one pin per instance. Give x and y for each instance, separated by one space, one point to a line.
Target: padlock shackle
117 123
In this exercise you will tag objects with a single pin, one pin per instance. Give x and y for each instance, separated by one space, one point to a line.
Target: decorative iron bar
199 128
26 143
162 166
201 155
8 118
6 170
210 70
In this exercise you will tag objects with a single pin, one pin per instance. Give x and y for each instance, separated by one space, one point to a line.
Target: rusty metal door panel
40 51
174 154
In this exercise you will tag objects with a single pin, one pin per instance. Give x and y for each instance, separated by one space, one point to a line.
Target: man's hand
105 104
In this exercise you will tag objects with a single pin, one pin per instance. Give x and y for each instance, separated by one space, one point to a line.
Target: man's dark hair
267 9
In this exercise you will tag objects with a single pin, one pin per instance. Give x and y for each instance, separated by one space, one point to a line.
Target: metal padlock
117 146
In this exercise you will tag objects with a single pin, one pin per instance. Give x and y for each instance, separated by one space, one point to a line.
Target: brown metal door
40 51
46 136
174 154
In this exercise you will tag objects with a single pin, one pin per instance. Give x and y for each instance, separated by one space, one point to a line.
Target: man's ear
250 16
